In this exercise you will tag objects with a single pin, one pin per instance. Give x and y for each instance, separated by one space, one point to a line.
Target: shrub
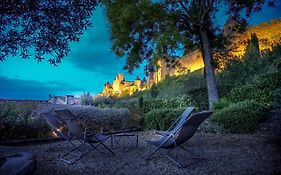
277 98
250 92
104 119
140 102
18 122
222 103
102 101
175 102
261 90
161 119
87 99
199 97
241 117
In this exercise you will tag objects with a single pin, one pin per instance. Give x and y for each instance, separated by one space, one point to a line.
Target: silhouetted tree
87 99
154 91
42 26
147 29
253 50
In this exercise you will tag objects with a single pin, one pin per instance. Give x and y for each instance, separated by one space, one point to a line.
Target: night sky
90 64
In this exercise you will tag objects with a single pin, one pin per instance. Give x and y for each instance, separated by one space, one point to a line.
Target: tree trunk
209 70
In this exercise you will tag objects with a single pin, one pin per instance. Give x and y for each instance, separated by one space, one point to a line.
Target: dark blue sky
90 64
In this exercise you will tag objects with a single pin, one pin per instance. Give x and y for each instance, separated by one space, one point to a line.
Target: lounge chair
185 131
83 134
186 113
59 128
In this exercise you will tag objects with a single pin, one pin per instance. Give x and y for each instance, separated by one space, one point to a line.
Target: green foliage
18 122
241 117
222 103
140 102
261 91
173 102
161 119
252 51
87 99
154 91
43 27
199 96
102 101
277 98
250 92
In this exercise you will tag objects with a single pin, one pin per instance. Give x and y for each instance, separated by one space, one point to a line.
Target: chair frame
177 122
87 133
173 135
68 139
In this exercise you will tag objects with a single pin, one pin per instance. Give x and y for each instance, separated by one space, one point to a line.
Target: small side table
131 138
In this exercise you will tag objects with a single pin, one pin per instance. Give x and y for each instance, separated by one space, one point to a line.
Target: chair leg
107 148
152 153
101 143
172 160
72 161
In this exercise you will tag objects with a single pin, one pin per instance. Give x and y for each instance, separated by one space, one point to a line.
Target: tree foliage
43 26
147 30
87 99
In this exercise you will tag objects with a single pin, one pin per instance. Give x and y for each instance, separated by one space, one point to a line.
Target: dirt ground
258 153
223 154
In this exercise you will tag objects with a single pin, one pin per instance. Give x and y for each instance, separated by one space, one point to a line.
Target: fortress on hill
269 35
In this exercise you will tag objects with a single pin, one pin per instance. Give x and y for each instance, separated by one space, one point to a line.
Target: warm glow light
269 35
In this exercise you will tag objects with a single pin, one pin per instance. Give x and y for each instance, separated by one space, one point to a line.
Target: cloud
93 52
31 89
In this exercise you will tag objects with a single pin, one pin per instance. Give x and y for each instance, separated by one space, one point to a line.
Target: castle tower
116 83
137 82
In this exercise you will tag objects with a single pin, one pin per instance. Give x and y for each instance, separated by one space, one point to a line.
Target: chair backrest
72 123
51 120
187 112
190 126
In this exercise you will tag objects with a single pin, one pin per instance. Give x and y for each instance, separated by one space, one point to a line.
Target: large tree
148 29
42 27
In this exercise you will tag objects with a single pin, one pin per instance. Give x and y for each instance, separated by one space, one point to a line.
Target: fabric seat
81 132
182 133
187 112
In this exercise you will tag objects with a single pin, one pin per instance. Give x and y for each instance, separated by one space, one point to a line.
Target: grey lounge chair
186 113
59 128
83 134
185 131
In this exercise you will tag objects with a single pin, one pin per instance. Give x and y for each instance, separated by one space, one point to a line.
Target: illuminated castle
121 87
269 35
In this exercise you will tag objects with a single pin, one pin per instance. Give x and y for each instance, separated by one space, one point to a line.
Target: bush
251 92
161 119
261 90
103 102
241 117
222 103
87 99
18 122
141 102
277 98
175 102
199 97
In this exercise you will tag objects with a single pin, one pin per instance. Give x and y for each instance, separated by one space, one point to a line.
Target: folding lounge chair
58 128
83 134
187 112
185 131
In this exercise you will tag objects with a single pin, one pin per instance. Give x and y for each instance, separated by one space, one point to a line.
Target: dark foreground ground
257 153
224 154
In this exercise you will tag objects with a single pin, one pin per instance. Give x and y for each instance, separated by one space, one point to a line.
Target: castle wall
269 35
